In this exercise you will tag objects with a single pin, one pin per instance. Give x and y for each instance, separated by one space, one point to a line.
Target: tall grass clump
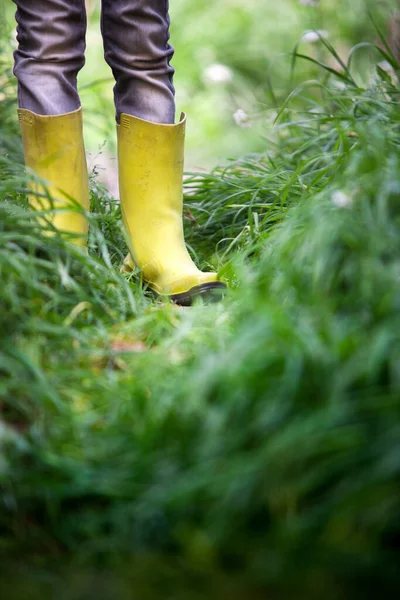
314 140
247 449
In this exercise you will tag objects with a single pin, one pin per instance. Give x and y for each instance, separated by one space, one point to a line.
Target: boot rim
182 120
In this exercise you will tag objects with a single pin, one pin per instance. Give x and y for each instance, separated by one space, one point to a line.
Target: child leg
51 46
150 148
136 44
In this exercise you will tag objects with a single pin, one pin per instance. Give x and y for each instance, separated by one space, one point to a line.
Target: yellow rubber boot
150 180
53 148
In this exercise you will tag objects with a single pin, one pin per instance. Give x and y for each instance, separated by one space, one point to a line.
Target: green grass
248 449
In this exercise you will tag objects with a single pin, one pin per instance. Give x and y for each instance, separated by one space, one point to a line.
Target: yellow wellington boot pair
150 173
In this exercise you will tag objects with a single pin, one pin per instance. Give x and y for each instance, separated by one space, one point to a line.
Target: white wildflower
341 199
218 74
387 67
241 118
312 37
339 85
271 116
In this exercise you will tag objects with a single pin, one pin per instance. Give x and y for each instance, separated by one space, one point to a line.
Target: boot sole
210 292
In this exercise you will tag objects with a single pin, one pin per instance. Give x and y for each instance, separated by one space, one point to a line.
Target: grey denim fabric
51 52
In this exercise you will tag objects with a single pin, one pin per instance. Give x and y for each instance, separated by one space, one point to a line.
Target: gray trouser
51 52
